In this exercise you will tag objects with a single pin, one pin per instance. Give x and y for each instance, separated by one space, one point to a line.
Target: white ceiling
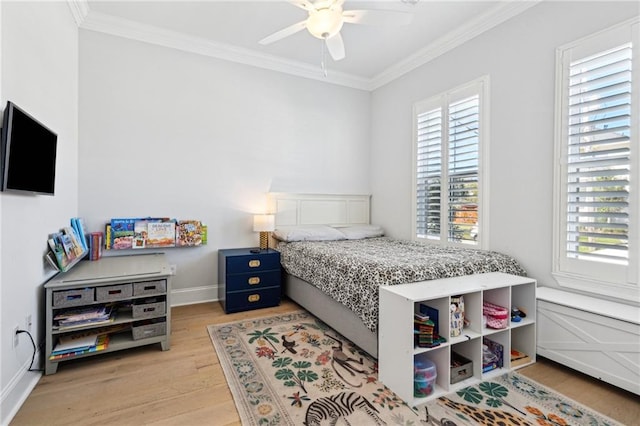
231 30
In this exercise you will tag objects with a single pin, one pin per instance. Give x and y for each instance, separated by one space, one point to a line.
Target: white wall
169 133
40 74
519 57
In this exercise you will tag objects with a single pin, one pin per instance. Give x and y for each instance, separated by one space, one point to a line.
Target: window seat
597 337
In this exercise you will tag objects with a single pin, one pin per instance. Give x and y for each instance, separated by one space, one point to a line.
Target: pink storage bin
497 316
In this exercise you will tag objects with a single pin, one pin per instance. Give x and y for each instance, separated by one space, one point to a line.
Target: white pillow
308 233
358 232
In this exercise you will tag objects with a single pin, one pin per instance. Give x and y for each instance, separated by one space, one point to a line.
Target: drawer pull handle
254 280
149 309
254 263
74 296
149 287
253 298
115 291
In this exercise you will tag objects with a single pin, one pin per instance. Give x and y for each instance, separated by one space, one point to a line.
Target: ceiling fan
326 18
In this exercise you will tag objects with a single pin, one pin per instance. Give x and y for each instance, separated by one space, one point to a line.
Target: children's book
122 232
55 244
67 246
95 245
78 248
161 233
188 233
82 231
107 237
139 234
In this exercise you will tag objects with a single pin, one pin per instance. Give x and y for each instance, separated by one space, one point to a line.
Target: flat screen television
28 153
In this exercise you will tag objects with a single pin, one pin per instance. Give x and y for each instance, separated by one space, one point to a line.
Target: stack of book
79 344
425 332
81 317
95 242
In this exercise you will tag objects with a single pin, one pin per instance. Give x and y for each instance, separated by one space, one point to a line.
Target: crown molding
99 22
79 10
484 22
103 23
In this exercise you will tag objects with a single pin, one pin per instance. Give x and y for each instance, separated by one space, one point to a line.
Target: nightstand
248 280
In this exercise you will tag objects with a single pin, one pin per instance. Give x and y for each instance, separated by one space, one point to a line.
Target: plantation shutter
598 171
429 173
447 166
463 169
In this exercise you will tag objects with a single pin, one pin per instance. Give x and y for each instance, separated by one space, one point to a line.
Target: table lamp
264 224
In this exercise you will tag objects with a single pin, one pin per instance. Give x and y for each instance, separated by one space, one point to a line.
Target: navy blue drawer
253 263
245 300
248 280
237 282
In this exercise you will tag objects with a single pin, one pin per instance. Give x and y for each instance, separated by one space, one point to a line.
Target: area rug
292 369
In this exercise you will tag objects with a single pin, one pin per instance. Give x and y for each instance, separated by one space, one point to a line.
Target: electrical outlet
16 336
174 269
27 323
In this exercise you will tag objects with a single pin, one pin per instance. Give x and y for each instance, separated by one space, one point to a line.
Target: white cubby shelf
397 352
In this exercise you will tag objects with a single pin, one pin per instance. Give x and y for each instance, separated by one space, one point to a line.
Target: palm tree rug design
292 369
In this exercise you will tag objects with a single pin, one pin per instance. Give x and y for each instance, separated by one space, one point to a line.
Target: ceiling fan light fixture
325 23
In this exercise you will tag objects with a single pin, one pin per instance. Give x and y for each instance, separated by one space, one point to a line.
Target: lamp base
264 240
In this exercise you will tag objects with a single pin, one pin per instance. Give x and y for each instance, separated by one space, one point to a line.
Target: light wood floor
186 386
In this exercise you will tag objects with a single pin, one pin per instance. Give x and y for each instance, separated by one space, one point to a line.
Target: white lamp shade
264 223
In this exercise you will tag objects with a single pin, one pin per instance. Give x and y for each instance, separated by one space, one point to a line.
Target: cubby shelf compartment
396 349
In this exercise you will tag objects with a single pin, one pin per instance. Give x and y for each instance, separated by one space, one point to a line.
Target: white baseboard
16 392
193 295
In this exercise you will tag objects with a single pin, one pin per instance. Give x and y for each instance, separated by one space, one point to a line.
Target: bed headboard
319 209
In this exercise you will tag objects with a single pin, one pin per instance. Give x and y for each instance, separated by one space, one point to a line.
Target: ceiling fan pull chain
323 62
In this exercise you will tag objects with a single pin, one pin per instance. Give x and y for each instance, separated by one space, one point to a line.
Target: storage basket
75 297
149 328
497 316
113 292
148 308
461 368
149 288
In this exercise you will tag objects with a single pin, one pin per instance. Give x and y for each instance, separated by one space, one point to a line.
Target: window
448 160
596 213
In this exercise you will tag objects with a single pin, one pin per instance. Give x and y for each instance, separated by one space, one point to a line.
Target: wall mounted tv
28 153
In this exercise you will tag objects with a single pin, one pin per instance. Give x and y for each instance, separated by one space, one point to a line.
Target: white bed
337 277
292 210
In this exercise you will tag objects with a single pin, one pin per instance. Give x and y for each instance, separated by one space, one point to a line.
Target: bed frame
324 209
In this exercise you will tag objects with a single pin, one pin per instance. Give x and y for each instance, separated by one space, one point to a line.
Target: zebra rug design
292 369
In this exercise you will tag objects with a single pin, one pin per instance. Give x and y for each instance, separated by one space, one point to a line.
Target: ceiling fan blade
285 32
303 4
335 46
377 17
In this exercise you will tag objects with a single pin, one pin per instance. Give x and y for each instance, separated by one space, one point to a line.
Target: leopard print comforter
350 271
